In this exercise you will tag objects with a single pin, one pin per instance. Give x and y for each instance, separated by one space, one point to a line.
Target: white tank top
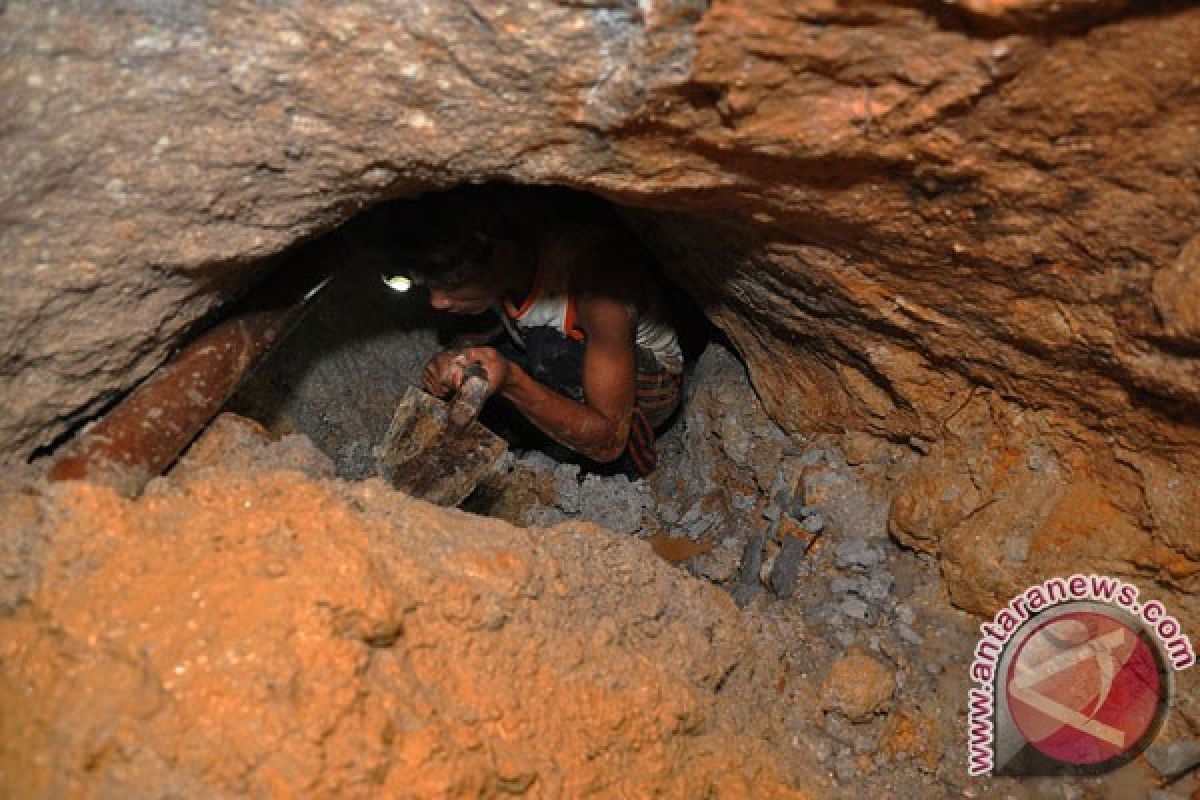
551 305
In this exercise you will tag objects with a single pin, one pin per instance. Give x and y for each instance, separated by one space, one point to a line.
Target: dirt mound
252 631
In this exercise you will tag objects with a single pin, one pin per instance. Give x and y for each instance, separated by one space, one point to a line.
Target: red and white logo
1073 675
1084 688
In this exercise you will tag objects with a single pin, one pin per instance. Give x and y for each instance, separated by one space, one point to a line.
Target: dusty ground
338 375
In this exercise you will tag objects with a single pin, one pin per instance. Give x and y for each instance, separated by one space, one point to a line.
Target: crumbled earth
253 626
247 629
876 656
732 482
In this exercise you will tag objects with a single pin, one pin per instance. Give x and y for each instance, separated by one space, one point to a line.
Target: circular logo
1087 689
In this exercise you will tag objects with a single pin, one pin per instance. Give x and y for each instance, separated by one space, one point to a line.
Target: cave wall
969 226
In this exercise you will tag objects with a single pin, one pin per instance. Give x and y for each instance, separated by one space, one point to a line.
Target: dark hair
448 264
445 240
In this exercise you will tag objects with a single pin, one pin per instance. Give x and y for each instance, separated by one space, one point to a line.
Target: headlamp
398 283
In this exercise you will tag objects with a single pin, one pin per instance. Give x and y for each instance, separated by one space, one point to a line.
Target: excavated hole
961 222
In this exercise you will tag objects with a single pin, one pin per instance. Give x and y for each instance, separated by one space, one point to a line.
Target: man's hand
444 373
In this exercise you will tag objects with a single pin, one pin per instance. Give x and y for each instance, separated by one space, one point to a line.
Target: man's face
474 297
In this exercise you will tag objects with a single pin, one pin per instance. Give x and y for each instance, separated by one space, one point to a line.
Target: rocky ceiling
968 226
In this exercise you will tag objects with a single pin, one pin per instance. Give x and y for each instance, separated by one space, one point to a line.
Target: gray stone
842 585
566 487
826 614
742 502
537 460
878 586
783 574
612 501
752 560
846 769
811 457
744 593
690 516
855 608
738 448
857 553
703 524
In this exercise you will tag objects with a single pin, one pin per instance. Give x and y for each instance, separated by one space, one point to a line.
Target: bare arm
598 427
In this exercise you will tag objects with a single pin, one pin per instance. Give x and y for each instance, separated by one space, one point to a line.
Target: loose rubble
250 628
794 529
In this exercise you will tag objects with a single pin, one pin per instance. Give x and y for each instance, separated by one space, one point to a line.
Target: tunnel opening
337 376
727 499
793 527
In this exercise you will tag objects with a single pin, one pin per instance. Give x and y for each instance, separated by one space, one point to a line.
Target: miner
587 352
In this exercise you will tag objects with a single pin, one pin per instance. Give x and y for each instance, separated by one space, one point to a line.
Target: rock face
967 225
243 631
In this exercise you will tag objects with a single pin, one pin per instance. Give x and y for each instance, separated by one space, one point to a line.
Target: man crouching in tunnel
591 358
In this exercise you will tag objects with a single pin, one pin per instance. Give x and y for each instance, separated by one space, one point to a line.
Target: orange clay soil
245 629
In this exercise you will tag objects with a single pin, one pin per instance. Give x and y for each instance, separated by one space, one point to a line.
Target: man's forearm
575 425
